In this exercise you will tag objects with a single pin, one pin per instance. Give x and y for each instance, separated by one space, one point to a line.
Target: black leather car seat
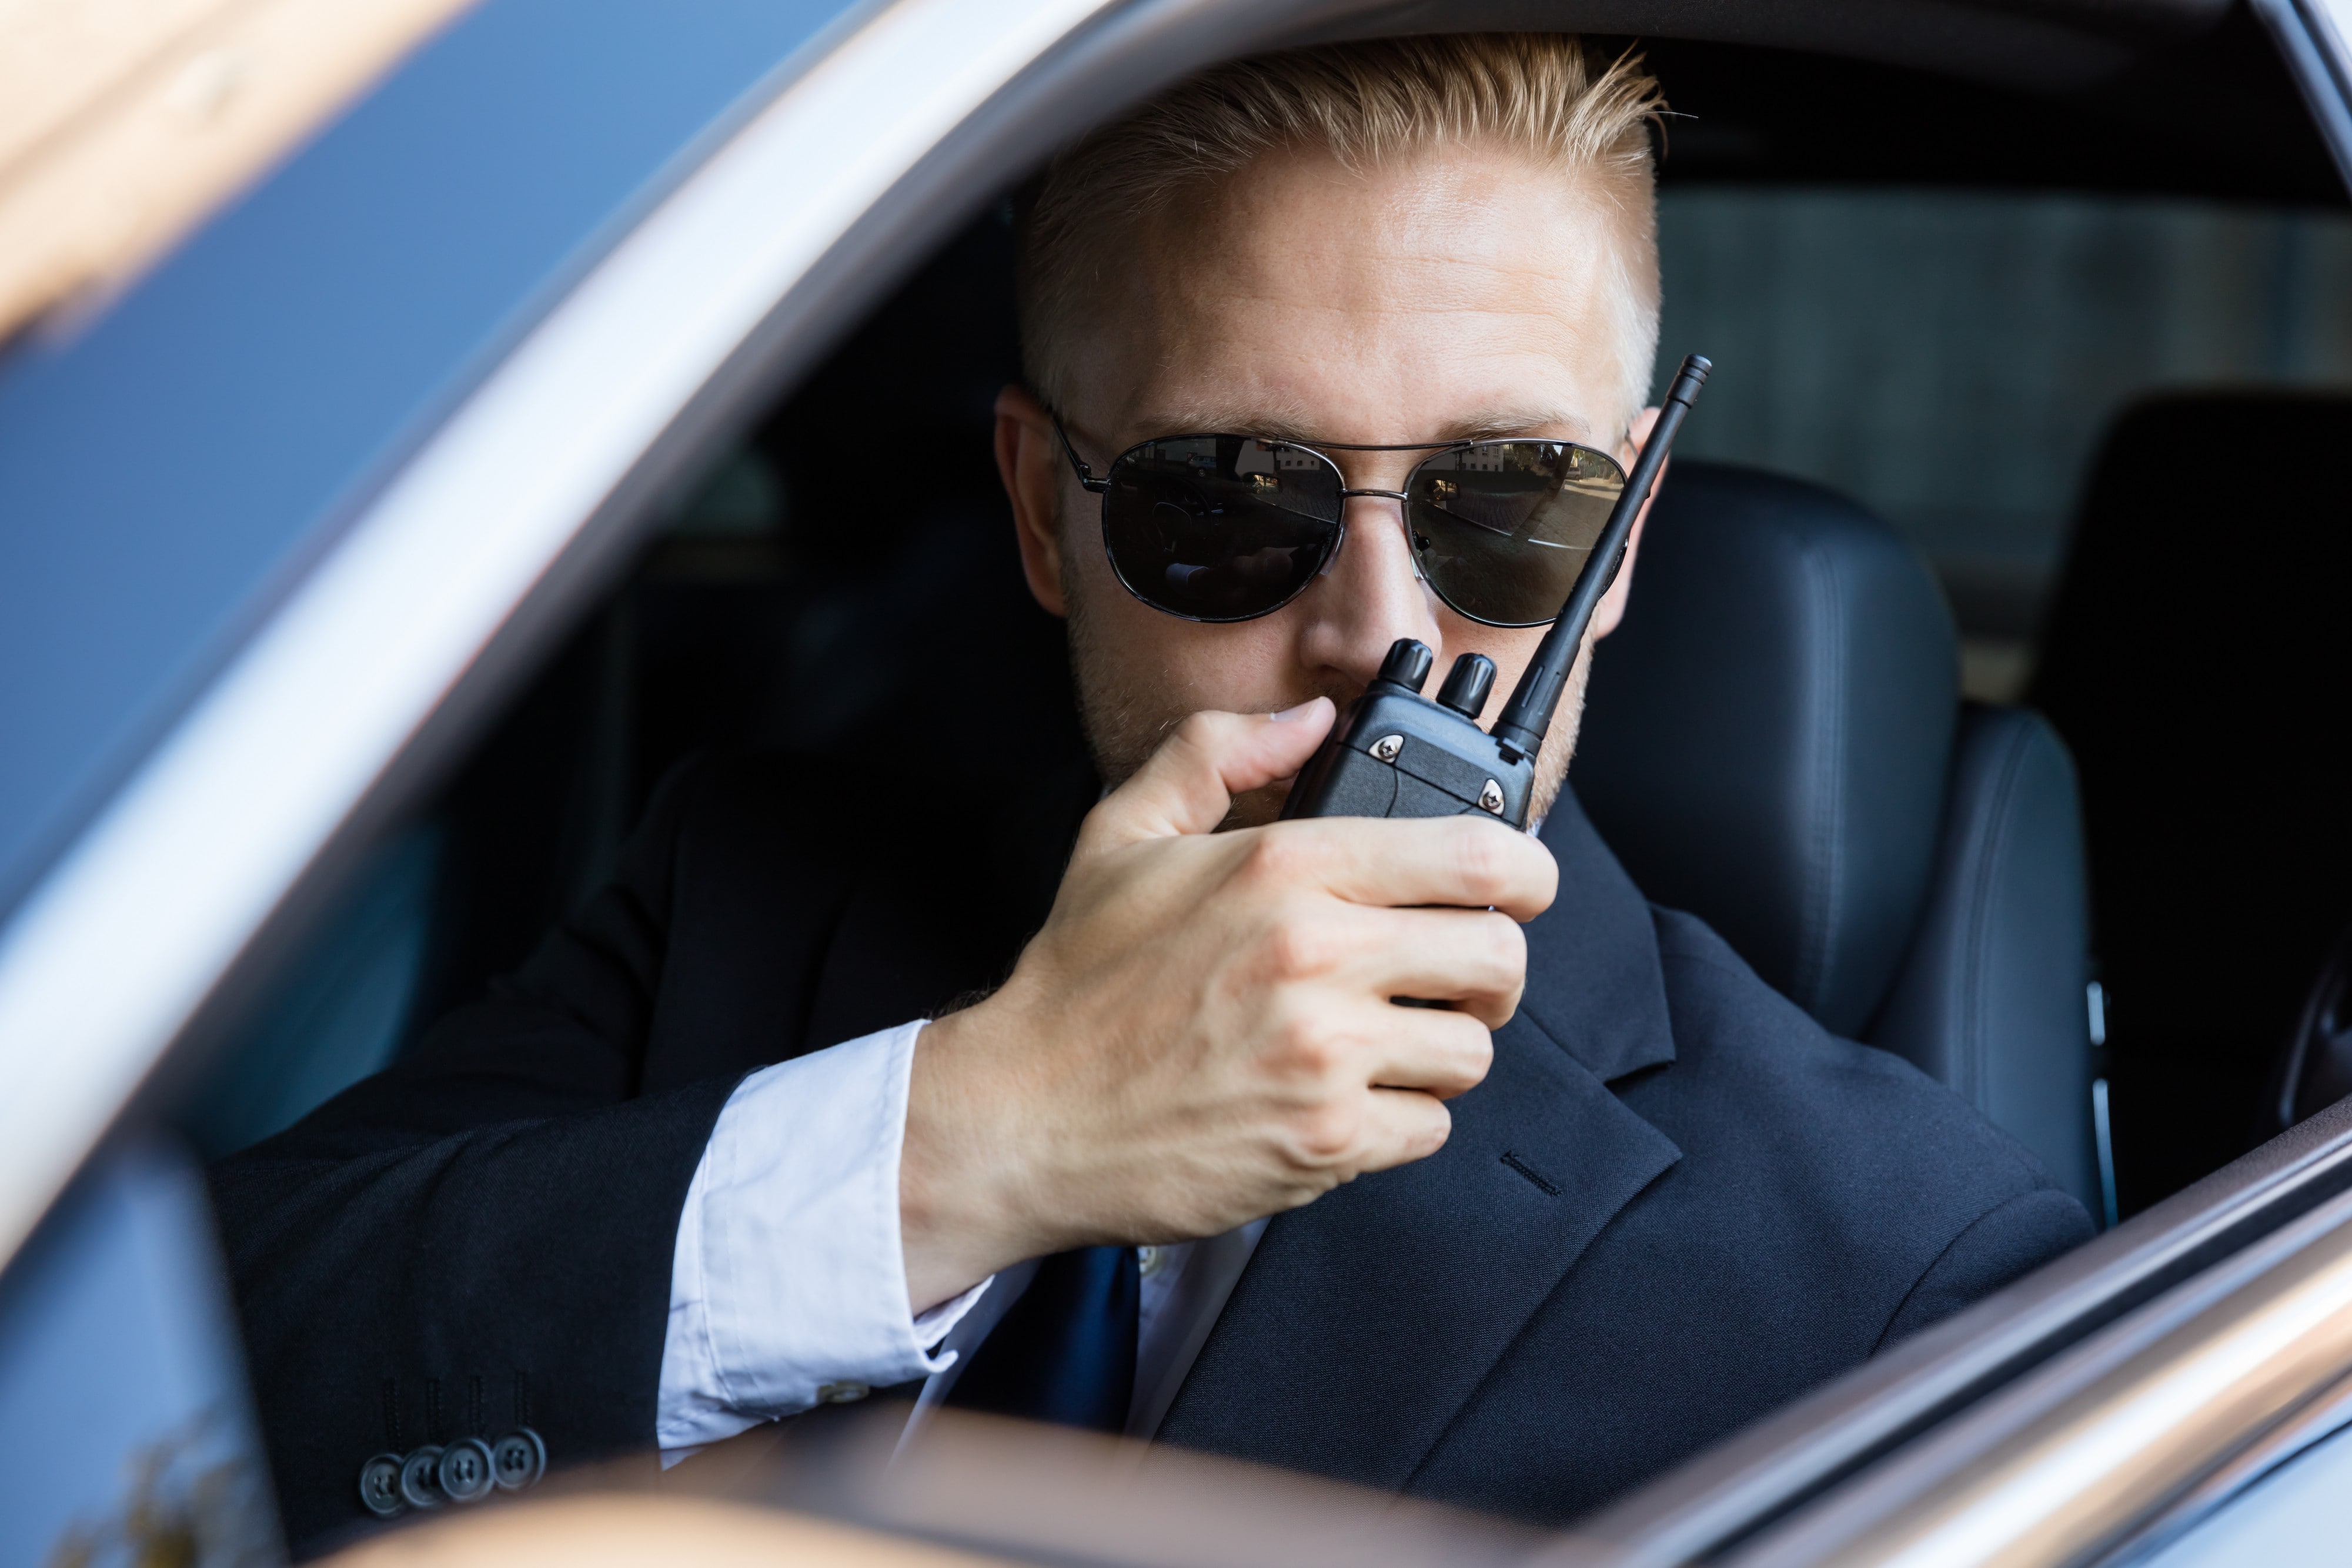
1774 741
1990 997
2195 659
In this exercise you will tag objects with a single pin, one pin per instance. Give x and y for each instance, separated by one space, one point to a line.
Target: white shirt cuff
790 1277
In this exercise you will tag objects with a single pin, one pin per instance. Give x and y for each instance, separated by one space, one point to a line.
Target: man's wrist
961 1214
786 1276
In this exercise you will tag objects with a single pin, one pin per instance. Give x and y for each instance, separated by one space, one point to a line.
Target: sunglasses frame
1100 485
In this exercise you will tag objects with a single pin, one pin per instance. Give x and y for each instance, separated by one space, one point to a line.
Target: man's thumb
1190 782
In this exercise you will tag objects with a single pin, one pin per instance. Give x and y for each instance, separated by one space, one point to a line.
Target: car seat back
1991 998
1774 741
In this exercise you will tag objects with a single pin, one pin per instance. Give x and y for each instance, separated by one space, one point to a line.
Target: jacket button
465 1471
380 1486
841 1392
418 1486
518 1459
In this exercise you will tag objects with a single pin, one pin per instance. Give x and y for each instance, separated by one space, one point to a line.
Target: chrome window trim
2163 1266
2073 1457
2326 1417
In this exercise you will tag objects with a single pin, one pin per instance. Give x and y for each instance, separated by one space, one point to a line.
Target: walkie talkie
1394 753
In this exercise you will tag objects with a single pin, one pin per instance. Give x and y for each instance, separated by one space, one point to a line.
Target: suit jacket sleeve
481 1236
2004 1244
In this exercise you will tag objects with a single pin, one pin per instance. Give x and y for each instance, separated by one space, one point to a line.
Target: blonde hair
1365 104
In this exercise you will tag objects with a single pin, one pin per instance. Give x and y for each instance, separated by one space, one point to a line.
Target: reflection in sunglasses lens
1501 528
1220 528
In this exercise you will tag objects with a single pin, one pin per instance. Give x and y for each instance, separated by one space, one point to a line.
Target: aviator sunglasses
1230 527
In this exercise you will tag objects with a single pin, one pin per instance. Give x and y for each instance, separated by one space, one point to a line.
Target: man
701 1164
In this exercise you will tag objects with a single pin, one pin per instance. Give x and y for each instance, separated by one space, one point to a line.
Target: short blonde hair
1363 104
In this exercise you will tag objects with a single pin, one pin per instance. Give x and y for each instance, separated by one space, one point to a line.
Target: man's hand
1204 1032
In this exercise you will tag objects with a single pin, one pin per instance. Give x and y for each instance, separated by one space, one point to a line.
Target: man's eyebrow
1485 424
1220 419
1489 425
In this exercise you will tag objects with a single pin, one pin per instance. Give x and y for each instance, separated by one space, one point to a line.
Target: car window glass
1952 358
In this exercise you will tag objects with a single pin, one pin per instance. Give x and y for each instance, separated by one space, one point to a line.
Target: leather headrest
1767 736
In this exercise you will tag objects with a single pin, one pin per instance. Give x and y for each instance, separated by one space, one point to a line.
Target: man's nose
1370 597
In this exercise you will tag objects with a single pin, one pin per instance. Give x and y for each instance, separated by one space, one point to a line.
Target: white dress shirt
788 1285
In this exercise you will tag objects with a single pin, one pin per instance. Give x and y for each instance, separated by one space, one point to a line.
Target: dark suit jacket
1674 1203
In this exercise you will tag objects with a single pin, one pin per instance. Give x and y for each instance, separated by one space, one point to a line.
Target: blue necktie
1065 1350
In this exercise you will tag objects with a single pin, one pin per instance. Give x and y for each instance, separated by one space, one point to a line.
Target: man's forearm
788 1286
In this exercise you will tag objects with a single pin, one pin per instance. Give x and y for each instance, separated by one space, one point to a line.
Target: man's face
1456 294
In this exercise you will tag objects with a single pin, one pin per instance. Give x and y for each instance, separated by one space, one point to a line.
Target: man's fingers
1434 1051
1190 782
1474 960
1462 862
1402 1126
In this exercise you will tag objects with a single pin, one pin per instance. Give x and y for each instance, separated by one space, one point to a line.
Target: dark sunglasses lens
1220 528
1502 528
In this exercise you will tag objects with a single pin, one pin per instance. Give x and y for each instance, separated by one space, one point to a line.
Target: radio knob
1408 663
1467 686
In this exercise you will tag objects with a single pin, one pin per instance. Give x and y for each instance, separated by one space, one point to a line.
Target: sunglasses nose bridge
1401 498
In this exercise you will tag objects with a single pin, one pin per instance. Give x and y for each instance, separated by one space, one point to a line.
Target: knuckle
1474 1042
1478 1056
1304 1050
1327 1132
1431 1138
1482 858
1296 947
1458 1061
1280 857
1316 1057
1507 945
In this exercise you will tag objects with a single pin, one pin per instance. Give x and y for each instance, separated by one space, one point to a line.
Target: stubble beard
1123 725
1125 722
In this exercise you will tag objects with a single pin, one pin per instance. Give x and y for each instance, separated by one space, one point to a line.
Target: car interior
1975 683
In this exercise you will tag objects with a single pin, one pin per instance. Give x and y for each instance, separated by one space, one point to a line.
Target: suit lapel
1367 1319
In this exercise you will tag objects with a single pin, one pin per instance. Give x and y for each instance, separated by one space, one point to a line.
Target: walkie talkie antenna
1528 712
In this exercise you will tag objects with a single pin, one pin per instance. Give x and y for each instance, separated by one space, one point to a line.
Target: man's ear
1611 608
1029 461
